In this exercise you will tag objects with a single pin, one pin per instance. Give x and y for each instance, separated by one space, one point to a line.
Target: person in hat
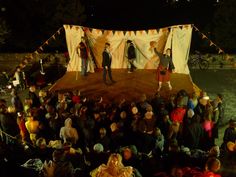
131 55
106 64
164 68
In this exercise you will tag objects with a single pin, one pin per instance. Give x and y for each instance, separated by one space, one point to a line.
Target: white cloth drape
177 37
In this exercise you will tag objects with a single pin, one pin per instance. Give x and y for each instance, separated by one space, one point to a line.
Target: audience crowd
64 134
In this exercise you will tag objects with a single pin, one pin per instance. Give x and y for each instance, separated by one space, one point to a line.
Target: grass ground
215 81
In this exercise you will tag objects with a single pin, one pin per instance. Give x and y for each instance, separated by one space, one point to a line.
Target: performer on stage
83 53
106 63
164 68
131 55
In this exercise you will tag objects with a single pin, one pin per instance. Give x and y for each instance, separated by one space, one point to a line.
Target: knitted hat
98 148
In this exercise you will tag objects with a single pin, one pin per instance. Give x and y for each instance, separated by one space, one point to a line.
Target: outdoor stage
128 85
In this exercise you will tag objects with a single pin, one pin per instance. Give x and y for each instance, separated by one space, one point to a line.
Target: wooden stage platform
128 85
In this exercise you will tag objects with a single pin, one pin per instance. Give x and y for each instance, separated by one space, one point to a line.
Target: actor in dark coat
131 55
106 63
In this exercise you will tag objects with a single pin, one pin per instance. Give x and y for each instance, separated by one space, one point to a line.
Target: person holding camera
164 68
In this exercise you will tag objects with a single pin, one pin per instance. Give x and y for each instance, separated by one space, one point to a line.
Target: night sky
130 14
32 21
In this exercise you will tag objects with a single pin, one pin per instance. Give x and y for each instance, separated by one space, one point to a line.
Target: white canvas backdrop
176 37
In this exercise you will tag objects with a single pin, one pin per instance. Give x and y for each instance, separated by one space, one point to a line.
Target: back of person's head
232 123
102 132
123 115
134 110
82 38
143 97
107 44
231 146
113 127
3 106
98 148
58 155
42 93
11 109
177 172
190 113
194 95
32 88
182 92
157 132
173 146
220 96
129 41
13 92
214 151
196 118
41 143
213 164
82 45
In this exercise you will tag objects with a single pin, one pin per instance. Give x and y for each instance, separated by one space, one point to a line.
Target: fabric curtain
176 37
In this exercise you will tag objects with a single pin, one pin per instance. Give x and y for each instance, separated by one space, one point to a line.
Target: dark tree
4 31
34 21
69 12
225 25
